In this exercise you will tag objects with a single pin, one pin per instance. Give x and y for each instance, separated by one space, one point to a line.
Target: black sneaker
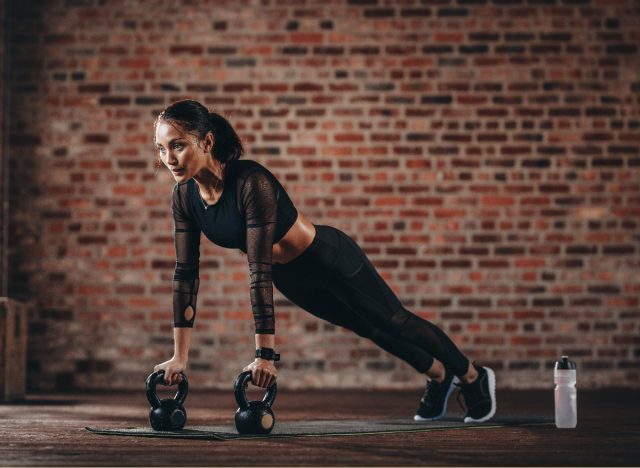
480 396
433 404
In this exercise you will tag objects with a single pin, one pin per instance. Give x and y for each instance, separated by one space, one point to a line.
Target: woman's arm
263 371
265 341
178 363
181 341
259 202
186 277
185 285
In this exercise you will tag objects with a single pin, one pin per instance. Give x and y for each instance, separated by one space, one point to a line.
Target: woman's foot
433 404
480 396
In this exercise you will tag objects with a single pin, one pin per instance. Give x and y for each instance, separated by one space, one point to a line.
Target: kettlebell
254 417
167 414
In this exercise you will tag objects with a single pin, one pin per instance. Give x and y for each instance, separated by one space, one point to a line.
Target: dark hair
195 118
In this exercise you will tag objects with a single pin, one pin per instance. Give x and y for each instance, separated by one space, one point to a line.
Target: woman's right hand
172 369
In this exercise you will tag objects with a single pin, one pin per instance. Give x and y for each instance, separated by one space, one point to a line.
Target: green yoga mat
326 428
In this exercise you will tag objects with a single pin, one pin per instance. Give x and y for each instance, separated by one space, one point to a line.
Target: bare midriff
295 241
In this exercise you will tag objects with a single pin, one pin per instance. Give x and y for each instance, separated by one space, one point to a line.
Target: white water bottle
564 376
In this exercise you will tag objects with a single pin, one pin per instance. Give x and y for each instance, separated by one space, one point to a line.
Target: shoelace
463 406
433 389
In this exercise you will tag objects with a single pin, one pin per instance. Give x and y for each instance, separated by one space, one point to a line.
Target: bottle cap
564 363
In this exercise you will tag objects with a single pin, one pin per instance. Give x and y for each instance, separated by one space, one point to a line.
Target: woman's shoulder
181 189
244 168
254 178
242 165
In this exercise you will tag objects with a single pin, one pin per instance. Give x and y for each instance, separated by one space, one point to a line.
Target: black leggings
334 280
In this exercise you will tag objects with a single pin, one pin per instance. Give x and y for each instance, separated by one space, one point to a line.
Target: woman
240 204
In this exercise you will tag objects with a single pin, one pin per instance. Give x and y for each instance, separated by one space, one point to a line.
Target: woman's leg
334 280
306 291
362 286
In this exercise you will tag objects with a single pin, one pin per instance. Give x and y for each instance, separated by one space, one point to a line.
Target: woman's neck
210 180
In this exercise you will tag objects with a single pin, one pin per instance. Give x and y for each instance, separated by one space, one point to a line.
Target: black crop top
253 213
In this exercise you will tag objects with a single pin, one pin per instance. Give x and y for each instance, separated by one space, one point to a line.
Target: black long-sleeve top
253 213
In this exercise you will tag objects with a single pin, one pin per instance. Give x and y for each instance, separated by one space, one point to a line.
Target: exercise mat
326 428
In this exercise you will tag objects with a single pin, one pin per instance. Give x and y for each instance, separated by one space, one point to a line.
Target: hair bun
193 117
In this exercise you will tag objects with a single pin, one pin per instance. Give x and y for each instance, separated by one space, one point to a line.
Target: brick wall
484 153
3 156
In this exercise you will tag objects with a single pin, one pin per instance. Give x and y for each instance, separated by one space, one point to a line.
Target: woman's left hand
263 372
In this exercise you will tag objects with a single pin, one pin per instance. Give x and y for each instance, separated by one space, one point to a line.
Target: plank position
238 203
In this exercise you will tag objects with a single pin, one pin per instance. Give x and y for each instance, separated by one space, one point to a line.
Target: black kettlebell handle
152 381
241 397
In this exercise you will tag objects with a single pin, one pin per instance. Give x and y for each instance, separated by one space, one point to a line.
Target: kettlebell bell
254 417
167 414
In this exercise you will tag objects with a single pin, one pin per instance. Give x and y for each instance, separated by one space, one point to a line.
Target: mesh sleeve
186 276
259 200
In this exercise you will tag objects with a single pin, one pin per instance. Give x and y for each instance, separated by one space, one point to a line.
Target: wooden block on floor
13 349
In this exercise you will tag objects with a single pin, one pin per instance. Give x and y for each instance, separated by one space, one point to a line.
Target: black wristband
267 353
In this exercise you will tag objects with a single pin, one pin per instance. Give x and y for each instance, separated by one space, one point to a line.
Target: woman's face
180 151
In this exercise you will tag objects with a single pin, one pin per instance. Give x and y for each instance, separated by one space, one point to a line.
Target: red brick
525 340
467 190
535 263
306 38
498 201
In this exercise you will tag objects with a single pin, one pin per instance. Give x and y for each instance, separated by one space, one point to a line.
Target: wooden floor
48 430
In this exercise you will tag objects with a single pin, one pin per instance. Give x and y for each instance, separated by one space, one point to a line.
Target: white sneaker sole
452 387
492 392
